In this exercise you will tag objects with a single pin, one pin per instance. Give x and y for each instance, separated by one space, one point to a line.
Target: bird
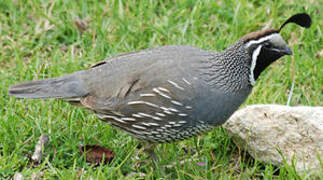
168 93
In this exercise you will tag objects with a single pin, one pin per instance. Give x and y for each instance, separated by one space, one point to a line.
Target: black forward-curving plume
301 19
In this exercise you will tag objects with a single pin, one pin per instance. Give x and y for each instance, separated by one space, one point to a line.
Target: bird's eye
268 45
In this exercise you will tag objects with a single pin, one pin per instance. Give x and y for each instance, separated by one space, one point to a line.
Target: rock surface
272 133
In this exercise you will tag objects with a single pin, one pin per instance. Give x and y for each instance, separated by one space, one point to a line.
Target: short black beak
286 51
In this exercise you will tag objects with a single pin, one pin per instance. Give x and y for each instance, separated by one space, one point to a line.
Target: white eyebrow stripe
253 65
261 39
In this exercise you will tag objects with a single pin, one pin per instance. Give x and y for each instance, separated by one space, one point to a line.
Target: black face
268 54
265 58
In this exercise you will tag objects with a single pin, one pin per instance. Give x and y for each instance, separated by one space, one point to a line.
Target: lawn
41 39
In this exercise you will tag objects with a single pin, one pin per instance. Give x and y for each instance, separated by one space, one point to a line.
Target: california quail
168 93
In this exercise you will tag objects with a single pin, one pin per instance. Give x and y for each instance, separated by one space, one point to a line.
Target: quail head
168 93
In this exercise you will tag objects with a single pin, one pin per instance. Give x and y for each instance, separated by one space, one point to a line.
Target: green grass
40 40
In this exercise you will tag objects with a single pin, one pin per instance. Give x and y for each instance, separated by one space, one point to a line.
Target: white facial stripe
272 36
253 64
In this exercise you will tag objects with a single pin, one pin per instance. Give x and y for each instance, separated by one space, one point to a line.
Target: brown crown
258 34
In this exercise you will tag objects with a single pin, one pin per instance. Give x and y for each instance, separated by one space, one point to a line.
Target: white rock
267 131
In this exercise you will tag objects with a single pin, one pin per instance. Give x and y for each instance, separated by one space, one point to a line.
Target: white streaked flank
149 116
104 116
144 114
147 95
182 122
154 132
168 112
188 107
176 103
175 85
166 134
145 124
173 109
117 113
168 139
186 81
182 114
151 104
137 115
138 127
253 64
128 119
160 114
161 93
163 89
135 132
143 102
156 118
164 108
153 124
134 102
100 116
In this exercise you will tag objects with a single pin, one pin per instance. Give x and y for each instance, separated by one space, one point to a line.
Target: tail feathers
67 86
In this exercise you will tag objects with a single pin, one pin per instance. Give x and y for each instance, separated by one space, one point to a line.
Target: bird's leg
149 149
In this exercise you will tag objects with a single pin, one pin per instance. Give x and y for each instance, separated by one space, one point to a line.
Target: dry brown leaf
95 154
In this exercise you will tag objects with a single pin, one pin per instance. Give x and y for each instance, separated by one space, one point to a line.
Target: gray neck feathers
228 70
